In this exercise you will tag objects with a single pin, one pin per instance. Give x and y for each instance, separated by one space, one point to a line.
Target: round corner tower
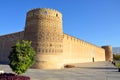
108 53
44 28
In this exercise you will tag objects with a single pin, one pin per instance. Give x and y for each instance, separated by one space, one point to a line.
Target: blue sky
95 21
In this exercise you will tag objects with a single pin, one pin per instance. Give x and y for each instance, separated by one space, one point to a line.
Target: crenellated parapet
45 13
40 11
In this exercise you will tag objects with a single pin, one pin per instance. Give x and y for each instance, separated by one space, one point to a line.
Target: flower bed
10 76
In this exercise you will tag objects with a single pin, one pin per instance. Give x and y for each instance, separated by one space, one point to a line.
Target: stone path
87 71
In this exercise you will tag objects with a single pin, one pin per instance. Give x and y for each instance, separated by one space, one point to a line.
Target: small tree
21 57
116 56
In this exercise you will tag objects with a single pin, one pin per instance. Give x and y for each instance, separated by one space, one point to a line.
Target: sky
95 21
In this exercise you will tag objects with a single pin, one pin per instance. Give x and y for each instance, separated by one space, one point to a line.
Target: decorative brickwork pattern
44 29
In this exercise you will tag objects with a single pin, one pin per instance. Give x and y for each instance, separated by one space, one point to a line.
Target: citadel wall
6 42
79 51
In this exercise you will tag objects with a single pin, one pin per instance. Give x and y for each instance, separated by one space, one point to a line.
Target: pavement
83 71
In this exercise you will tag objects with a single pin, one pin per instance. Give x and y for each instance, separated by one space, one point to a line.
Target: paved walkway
88 71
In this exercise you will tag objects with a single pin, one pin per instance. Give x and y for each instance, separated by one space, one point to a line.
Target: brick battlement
45 12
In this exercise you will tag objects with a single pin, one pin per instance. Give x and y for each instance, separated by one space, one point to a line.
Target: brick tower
108 53
44 28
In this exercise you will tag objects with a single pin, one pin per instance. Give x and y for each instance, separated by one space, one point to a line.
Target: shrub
69 66
21 57
116 56
117 64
